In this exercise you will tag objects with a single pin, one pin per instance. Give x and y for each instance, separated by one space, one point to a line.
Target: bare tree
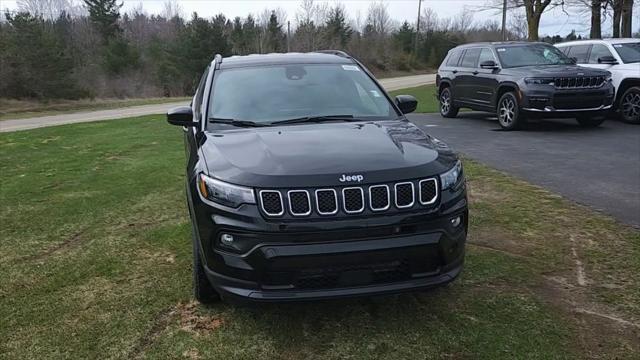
518 24
626 18
378 17
48 9
171 9
464 21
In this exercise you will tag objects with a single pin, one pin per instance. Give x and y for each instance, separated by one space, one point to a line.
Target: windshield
274 93
531 54
629 52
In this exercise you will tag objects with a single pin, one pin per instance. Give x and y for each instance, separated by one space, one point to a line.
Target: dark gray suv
520 80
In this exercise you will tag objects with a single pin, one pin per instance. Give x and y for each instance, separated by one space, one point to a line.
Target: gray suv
521 80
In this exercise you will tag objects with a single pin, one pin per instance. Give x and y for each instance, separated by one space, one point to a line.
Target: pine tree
337 30
104 14
275 35
404 37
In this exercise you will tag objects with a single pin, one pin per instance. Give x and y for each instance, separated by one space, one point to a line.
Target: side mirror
609 60
489 64
181 116
406 103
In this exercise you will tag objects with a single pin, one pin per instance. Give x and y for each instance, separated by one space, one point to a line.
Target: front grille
379 197
327 201
579 82
428 191
353 275
352 200
271 202
299 202
404 195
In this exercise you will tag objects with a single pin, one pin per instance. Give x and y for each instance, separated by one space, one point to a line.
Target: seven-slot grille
579 82
349 200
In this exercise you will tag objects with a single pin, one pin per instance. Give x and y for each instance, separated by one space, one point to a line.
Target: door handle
475 72
455 71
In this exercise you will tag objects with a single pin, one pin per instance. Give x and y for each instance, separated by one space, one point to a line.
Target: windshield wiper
315 119
239 123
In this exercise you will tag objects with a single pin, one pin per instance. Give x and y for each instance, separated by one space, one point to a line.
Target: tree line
92 49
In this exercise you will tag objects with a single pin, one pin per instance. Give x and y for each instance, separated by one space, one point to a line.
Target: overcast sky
554 22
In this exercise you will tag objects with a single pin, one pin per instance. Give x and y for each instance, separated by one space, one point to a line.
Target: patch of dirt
70 242
191 354
600 334
194 322
160 323
500 240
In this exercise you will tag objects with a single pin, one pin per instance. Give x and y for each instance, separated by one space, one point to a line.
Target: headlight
224 193
538 81
452 177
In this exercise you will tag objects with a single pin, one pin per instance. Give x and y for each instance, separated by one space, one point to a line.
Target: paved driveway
598 167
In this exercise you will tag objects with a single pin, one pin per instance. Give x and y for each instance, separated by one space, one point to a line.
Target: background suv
517 80
306 181
621 57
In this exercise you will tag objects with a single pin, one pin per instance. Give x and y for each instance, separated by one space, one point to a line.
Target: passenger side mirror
406 103
181 116
489 64
609 60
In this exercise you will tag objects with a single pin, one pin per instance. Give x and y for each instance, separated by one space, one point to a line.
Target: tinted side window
486 55
580 52
598 51
470 58
454 58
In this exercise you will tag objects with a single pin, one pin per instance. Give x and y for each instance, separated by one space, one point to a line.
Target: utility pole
504 20
288 36
415 45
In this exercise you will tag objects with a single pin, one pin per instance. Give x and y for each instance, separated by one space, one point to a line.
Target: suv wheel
447 109
508 112
590 121
202 289
630 105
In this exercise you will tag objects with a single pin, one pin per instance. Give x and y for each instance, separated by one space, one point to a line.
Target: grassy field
20 109
426 96
95 260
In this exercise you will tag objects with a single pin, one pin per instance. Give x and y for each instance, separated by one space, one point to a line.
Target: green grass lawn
20 109
95 258
426 96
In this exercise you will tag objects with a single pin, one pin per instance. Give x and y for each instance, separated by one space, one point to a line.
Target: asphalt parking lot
597 167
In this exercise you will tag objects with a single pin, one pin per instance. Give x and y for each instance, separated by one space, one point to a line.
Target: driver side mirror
489 64
181 116
609 60
406 103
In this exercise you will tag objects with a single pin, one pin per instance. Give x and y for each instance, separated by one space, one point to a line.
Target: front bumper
296 272
544 100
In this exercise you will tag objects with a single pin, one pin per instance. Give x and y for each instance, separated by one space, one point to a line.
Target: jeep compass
520 80
304 180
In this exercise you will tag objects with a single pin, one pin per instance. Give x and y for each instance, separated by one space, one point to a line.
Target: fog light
226 239
455 221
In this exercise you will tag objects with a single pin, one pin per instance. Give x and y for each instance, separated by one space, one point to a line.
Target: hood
557 71
317 155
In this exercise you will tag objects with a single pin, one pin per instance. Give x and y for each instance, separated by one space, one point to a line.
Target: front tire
508 111
202 289
447 109
590 122
630 105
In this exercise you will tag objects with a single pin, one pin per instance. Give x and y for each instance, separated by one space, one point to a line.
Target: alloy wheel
506 114
445 102
631 105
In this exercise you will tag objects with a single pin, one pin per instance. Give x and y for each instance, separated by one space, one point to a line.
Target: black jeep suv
306 181
517 80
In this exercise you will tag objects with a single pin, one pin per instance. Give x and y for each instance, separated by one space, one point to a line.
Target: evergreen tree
336 28
104 14
275 35
404 37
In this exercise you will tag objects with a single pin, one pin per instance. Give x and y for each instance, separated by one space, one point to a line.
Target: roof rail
334 52
218 60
